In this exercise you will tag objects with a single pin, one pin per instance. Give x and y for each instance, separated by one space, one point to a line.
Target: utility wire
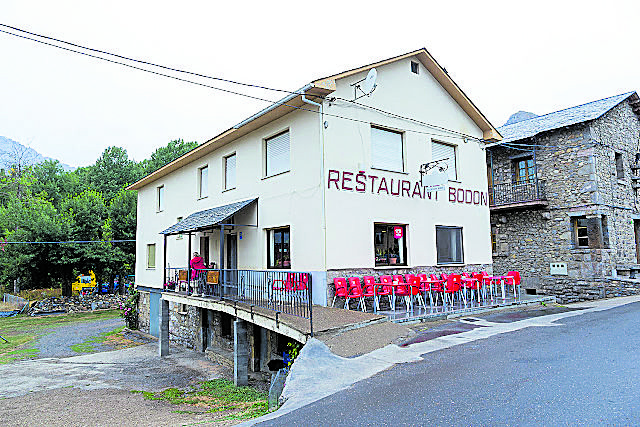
2 242
218 88
140 61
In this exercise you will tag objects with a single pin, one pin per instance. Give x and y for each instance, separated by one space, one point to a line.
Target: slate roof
569 116
209 217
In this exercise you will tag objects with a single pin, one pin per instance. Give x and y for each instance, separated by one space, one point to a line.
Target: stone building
564 199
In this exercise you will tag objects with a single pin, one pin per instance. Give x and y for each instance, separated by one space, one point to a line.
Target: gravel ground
58 343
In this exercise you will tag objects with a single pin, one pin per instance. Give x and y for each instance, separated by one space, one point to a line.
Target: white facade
332 195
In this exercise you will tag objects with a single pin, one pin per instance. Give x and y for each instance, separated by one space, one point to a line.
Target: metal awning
206 219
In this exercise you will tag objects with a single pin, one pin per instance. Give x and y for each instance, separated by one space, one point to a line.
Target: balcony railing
279 290
517 192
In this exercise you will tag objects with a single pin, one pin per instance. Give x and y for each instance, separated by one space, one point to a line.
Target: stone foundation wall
144 311
570 290
185 325
78 303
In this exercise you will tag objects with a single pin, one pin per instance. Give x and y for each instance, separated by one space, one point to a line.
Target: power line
2 242
221 89
140 61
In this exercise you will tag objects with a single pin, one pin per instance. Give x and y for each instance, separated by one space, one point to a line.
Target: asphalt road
585 371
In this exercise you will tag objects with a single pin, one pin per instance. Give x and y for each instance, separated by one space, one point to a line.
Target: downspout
324 214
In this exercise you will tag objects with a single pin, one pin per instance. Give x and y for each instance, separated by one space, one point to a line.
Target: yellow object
83 282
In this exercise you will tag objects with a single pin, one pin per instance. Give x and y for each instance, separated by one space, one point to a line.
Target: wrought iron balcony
517 194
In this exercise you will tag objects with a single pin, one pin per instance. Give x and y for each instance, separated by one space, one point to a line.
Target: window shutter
230 172
444 151
277 154
386 150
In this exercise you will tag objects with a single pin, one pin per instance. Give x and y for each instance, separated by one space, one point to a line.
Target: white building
328 181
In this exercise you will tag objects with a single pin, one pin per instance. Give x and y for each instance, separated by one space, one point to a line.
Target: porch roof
209 217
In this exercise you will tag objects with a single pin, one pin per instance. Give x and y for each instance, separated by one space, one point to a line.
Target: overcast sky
507 56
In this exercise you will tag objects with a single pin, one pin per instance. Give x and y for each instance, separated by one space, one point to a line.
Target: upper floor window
581 232
203 182
230 172
449 245
415 69
619 166
277 154
524 170
386 150
160 198
440 151
179 236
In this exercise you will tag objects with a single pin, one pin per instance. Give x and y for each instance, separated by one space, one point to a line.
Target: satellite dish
369 83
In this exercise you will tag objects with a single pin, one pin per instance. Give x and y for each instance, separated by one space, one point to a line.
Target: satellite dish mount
366 86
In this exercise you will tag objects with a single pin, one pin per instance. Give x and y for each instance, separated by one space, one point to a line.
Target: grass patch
15 355
217 396
88 345
27 323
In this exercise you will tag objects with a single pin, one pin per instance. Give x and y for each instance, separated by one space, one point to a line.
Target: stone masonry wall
568 290
577 169
143 311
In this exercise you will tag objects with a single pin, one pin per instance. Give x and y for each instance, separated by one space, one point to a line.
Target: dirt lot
98 387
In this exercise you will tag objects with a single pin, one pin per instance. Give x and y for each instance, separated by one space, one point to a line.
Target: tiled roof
209 217
569 116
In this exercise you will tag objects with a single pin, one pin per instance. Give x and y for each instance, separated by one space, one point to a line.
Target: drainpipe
324 213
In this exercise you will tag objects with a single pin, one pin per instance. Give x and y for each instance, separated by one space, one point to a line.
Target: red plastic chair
385 288
355 291
452 287
513 279
413 282
437 286
301 281
402 290
482 285
369 290
341 289
471 285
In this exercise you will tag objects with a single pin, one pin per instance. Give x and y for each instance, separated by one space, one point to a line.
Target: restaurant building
327 181
563 191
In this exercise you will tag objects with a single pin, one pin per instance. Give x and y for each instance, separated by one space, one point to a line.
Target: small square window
179 236
415 69
276 154
390 244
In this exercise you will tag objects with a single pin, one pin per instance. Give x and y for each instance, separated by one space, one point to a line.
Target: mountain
10 150
519 117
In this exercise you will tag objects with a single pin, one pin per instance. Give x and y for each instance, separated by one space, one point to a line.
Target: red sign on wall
397 232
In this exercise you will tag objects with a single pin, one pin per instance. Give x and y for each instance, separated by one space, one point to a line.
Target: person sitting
196 264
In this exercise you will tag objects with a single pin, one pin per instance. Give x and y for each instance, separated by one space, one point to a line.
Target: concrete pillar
240 353
163 342
264 348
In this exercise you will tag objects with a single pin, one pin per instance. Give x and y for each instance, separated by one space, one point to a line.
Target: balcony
517 195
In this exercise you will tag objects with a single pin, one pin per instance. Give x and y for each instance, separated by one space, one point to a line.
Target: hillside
9 149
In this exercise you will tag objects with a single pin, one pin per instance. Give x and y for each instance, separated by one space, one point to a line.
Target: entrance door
636 229
232 251
204 249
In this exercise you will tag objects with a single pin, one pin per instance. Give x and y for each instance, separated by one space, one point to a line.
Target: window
203 182
494 239
151 255
619 166
524 170
160 199
449 245
230 172
278 251
582 234
390 245
415 69
441 151
179 236
277 154
590 231
386 150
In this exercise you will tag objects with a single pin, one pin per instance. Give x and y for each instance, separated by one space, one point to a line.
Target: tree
52 180
166 154
112 172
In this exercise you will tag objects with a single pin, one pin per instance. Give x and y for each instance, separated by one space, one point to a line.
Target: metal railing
279 290
15 300
517 192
